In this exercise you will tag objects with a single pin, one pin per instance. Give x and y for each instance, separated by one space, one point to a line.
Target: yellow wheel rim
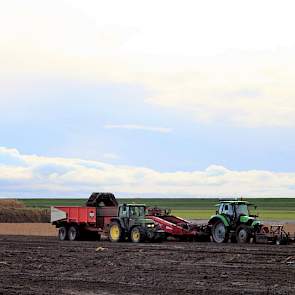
135 235
115 232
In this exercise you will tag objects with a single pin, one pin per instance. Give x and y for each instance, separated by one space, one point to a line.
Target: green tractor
233 221
131 224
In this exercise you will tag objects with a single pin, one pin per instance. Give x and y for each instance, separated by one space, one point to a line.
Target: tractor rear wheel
73 233
62 233
243 234
115 232
219 233
137 234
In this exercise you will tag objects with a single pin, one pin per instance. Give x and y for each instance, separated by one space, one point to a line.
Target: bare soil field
44 265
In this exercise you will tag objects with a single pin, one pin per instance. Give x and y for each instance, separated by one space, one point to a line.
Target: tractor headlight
150 225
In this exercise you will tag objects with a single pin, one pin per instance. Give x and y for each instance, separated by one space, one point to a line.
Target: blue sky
190 116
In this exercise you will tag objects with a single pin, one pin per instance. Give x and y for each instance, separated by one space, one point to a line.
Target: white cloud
45 176
229 61
138 127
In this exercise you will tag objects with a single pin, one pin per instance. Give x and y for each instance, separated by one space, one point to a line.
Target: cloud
138 127
37 176
213 64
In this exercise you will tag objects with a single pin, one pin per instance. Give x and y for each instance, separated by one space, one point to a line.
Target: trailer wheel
73 233
62 233
115 232
219 233
243 234
137 234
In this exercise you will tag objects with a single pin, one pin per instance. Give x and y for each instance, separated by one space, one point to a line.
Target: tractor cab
134 214
132 211
236 211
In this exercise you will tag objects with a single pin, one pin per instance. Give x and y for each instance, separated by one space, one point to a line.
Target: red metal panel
79 214
171 228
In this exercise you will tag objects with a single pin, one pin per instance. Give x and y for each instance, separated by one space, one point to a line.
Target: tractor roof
233 202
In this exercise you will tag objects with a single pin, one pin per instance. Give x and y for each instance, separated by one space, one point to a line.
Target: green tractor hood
249 220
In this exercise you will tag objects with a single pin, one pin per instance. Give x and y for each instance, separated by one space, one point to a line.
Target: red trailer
75 222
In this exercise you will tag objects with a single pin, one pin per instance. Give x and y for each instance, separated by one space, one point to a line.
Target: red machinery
74 222
177 227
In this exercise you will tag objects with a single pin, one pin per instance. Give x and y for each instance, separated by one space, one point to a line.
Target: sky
147 98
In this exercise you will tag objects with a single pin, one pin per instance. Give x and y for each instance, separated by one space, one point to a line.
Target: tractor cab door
136 214
124 215
228 211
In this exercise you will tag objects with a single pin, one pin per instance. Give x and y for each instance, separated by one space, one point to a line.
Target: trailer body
94 217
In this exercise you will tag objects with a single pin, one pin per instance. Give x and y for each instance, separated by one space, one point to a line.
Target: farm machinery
102 214
177 227
132 224
137 223
234 222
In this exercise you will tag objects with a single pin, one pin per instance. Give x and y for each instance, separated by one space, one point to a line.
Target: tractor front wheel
243 234
219 233
115 232
137 235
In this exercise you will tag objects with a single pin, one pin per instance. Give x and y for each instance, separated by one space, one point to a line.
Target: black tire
219 232
73 233
137 234
116 232
243 234
62 233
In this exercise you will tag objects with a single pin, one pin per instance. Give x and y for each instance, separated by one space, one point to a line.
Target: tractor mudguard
215 218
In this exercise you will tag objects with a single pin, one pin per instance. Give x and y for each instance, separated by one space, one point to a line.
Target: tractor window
242 209
137 211
124 211
228 209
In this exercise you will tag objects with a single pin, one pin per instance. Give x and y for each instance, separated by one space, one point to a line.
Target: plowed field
43 265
